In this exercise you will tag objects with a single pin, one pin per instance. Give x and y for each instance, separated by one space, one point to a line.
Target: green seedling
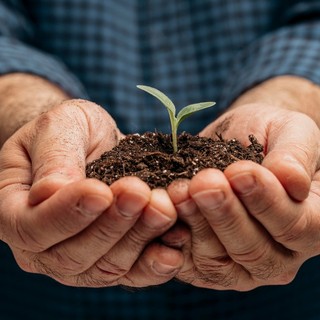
183 113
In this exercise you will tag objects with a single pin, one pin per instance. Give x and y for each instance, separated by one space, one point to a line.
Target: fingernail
154 218
209 199
129 205
92 205
243 183
163 268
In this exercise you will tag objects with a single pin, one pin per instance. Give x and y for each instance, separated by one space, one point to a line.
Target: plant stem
174 129
174 141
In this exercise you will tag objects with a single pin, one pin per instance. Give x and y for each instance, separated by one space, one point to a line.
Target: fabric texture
191 50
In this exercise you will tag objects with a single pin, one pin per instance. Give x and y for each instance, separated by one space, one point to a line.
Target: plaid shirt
193 51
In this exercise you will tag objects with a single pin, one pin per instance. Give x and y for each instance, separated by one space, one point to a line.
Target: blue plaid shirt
193 51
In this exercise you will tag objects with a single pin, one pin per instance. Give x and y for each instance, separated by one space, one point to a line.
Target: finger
293 156
59 142
79 253
157 265
14 166
246 242
293 224
158 216
44 188
67 212
207 263
204 241
178 236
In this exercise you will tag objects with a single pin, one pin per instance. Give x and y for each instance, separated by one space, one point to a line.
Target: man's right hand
80 231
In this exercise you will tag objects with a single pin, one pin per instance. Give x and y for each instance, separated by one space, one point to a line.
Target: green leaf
161 96
192 108
184 113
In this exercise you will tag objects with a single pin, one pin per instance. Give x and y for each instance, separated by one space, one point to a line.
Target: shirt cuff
18 57
289 51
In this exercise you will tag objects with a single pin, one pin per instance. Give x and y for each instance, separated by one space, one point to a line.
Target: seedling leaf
161 96
184 113
192 108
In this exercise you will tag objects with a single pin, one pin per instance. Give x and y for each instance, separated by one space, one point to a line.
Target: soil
150 157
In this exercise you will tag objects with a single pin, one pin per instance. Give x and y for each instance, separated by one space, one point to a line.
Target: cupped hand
253 225
290 140
76 230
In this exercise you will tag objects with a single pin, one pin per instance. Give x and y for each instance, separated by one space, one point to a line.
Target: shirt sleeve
18 55
291 49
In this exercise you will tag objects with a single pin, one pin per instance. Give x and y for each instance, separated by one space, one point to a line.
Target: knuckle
266 270
87 279
218 271
42 122
203 230
137 240
41 267
34 263
256 254
207 263
276 274
63 261
259 263
212 279
106 234
65 225
227 224
293 232
260 206
109 268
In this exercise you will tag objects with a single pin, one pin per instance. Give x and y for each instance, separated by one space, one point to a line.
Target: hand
76 230
253 225
289 139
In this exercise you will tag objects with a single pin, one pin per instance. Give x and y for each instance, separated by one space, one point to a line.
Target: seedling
183 113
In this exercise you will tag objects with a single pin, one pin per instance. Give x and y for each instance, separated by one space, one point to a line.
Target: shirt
191 50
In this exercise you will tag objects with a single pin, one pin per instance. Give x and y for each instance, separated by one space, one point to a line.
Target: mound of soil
150 157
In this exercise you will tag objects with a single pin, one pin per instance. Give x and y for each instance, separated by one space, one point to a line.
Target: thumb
61 140
293 155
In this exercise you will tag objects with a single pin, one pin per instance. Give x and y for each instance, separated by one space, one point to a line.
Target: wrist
286 92
22 98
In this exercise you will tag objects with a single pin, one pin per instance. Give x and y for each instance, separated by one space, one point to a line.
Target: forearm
22 98
288 92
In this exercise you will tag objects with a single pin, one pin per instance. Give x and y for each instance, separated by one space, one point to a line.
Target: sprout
183 114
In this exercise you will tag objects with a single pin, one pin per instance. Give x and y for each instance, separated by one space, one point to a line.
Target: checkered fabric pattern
193 51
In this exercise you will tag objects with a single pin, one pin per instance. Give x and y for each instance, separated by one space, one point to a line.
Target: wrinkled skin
252 225
80 231
249 226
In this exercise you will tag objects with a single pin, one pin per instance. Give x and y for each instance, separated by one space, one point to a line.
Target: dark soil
150 157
